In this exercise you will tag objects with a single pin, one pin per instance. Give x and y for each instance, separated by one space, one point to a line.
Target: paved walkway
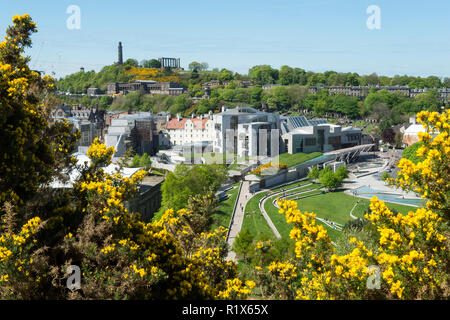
376 184
236 225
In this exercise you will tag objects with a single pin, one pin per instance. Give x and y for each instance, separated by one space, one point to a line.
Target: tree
243 242
342 173
153 63
186 182
198 66
256 93
205 66
141 161
314 173
398 139
132 62
429 100
27 160
330 180
105 102
288 76
385 176
388 136
226 75
263 74
428 176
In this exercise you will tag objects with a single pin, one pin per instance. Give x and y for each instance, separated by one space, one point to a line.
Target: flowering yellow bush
99 153
26 160
151 74
268 168
429 177
410 258
43 231
236 289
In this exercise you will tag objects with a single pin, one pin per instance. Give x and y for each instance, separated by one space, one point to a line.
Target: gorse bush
43 230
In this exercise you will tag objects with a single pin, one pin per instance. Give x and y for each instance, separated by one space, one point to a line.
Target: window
333 140
310 142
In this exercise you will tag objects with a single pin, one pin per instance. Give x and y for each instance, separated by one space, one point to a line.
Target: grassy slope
254 220
296 184
295 159
279 220
335 206
225 209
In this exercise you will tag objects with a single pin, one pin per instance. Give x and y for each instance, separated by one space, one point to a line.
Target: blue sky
316 35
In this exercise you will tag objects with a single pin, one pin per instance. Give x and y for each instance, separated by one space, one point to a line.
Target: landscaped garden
333 206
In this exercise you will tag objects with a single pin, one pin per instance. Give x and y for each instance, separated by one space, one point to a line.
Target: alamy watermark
374 20
258 146
74 20
374 280
74 281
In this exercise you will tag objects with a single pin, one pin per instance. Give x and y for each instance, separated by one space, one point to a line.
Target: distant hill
79 82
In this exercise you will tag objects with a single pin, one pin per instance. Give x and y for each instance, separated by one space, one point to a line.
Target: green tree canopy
263 74
153 63
188 181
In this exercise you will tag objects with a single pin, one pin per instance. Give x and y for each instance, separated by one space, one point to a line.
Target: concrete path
238 219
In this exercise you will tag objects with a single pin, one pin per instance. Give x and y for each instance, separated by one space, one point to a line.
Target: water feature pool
370 165
368 193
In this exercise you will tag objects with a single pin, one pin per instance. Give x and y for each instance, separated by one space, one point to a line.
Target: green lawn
223 214
294 159
312 192
253 218
278 219
335 206
295 184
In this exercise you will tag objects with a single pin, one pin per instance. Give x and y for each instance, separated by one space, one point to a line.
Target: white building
306 136
243 131
247 132
182 131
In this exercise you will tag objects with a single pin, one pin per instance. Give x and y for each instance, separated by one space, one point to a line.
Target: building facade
137 131
146 87
305 136
170 62
182 131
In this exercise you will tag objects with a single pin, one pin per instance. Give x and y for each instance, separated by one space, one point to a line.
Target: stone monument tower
120 54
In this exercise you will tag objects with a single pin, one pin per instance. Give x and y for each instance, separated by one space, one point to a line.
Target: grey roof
301 121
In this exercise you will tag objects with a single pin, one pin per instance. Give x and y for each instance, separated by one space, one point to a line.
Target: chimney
168 118
178 117
201 117
224 109
193 116
210 114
